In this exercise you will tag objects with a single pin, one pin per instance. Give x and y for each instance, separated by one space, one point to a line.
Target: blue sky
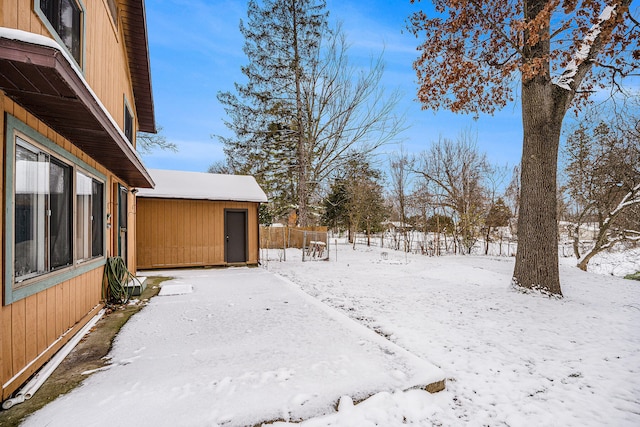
196 51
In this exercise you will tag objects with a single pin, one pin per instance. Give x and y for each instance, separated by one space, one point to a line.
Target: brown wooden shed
194 219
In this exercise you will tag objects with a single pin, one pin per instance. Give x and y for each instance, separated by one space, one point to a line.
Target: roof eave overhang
43 81
134 27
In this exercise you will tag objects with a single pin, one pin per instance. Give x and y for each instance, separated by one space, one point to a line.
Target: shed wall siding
187 233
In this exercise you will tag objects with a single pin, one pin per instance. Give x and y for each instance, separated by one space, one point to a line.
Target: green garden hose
115 289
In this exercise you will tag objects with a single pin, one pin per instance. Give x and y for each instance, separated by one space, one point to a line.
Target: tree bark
486 243
600 244
576 241
584 262
301 146
537 256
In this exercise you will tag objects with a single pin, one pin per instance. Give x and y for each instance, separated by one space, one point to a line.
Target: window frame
27 286
78 258
49 25
128 118
103 225
43 208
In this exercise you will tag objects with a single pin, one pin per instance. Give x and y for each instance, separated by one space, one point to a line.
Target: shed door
235 228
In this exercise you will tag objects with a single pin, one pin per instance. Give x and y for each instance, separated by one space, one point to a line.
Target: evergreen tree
282 38
304 108
499 214
356 200
335 214
440 224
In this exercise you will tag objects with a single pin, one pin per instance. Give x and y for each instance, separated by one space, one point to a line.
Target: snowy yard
509 359
235 347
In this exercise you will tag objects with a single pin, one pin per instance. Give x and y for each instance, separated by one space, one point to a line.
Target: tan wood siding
185 233
106 68
31 327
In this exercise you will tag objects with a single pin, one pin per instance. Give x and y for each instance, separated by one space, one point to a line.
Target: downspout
32 386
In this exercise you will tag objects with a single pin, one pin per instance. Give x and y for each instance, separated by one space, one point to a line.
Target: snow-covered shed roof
203 186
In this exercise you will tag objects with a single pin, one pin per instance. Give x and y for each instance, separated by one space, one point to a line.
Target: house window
51 220
65 17
43 212
55 216
128 123
89 231
97 218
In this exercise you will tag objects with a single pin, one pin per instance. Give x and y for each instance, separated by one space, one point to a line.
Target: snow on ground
510 359
616 263
235 347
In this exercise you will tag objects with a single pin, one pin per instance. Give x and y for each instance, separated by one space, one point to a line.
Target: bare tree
221 167
147 142
400 170
455 172
306 108
512 197
347 111
603 169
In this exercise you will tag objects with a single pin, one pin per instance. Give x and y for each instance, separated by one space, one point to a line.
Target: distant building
396 226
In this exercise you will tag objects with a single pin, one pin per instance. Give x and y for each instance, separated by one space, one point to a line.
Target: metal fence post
304 243
284 242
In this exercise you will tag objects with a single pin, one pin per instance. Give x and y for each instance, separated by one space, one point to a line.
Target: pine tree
335 213
356 200
304 109
282 38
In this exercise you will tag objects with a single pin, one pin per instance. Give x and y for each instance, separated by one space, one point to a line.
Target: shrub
634 276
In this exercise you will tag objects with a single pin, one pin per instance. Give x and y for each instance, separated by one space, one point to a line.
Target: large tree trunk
537 257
